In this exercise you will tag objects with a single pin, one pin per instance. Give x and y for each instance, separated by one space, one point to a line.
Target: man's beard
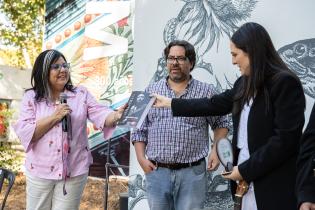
178 77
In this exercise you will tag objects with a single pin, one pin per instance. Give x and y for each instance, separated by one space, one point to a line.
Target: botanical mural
208 25
96 38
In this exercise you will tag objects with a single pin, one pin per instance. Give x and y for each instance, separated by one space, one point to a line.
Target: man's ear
192 66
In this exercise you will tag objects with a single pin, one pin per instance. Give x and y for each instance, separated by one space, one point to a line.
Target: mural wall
96 38
110 58
208 24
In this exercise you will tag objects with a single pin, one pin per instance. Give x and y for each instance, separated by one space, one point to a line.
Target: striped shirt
177 139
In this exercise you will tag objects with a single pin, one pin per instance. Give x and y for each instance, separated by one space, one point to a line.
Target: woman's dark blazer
305 181
273 136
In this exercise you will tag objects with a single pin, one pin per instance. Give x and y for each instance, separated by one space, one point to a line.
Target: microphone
64 121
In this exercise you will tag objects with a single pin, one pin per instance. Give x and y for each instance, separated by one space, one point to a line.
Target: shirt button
58 150
59 174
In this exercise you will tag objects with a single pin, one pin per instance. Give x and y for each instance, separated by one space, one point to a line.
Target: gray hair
45 74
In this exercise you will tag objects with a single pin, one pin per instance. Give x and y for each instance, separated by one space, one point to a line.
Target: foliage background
21 31
10 158
5 116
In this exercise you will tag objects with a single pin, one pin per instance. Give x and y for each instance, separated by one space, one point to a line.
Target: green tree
22 30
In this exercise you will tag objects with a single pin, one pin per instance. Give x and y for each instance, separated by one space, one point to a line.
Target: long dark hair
40 74
265 63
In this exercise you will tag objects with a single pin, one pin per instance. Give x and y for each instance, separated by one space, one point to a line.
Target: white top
249 201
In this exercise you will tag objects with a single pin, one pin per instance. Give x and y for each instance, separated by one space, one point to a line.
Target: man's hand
307 206
213 160
146 165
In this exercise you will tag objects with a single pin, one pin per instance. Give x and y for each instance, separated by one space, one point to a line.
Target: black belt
176 166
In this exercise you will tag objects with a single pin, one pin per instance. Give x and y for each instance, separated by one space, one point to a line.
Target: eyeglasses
57 66
180 60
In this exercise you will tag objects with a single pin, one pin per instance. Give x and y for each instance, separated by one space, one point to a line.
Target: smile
62 77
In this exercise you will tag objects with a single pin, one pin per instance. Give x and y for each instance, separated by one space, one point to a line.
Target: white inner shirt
248 201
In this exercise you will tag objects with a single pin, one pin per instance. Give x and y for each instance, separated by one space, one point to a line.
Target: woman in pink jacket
58 159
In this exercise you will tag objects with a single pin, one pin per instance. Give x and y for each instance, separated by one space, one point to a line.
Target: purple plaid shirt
177 139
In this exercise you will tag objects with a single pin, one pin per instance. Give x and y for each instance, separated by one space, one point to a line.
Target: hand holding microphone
62 111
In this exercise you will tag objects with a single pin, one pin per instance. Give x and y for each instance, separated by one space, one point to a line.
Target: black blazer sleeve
305 182
217 105
288 104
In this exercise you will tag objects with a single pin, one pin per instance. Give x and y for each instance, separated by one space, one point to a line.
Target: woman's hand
61 111
45 124
115 116
162 101
307 206
235 175
119 112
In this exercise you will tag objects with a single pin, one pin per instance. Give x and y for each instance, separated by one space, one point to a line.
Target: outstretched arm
216 106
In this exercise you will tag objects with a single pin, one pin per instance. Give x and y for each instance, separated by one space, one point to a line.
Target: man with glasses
172 150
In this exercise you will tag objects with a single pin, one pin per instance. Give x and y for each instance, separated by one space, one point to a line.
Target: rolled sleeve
140 135
97 114
26 124
220 122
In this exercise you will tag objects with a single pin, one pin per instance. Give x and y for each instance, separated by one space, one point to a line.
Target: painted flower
123 22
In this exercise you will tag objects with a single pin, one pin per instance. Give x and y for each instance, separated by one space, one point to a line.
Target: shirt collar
190 82
70 93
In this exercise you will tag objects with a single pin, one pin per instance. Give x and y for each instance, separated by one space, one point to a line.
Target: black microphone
64 121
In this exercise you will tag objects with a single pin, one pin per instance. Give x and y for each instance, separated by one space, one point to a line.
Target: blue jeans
183 189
